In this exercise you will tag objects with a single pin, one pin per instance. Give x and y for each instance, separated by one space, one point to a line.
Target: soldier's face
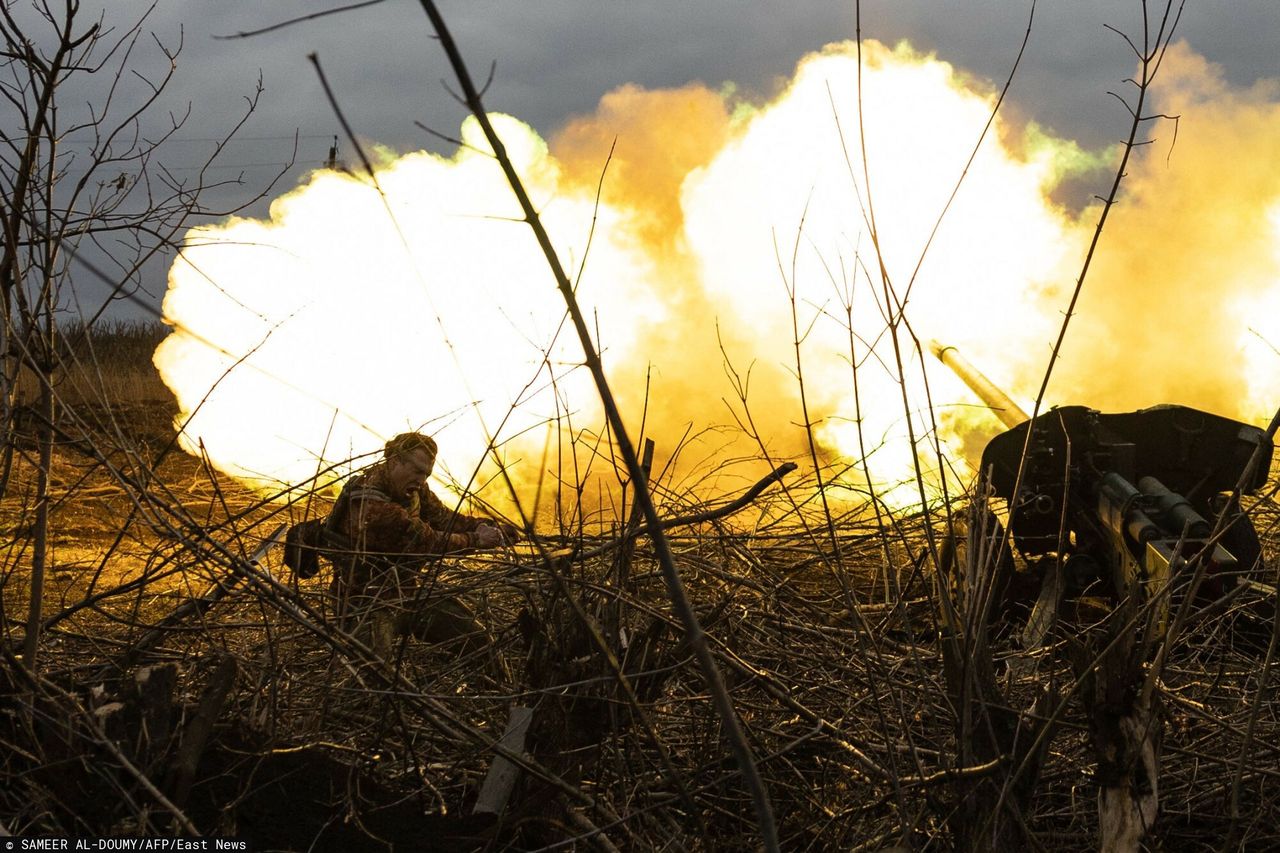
408 472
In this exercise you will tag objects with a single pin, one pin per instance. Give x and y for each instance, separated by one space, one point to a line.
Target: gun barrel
1009 412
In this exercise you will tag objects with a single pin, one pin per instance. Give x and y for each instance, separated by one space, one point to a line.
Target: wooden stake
503 772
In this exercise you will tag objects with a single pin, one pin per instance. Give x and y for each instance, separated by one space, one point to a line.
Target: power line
107 169
214 138
244 165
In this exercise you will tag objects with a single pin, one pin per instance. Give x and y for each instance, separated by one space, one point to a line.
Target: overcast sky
556 58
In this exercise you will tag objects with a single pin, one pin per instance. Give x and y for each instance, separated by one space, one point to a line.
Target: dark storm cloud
556 58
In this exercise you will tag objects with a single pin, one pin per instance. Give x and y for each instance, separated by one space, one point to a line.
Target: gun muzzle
1009 412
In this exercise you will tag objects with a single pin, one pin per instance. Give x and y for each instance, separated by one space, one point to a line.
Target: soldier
390 526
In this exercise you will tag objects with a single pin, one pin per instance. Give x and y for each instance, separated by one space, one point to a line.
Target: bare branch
302 19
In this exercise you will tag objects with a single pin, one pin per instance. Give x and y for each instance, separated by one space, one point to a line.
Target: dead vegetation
256 716
779 673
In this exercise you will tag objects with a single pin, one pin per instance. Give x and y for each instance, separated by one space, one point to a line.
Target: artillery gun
1130 515
1117 505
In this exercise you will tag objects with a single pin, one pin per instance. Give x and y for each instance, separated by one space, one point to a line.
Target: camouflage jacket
390 537
420 525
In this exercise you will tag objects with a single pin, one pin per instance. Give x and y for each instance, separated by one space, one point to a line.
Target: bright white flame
366 314
1259 314
429 305
788 188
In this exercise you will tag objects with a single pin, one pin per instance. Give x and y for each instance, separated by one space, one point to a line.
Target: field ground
260 716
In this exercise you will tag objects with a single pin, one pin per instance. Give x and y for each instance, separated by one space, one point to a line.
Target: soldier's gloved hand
510 533
487 536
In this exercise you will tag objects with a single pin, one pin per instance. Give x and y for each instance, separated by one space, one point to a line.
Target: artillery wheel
1241 539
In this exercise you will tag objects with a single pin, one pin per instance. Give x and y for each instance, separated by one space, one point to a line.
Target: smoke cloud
1182 303
724 251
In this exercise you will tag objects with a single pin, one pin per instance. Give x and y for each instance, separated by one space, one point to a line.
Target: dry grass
109 365
852 728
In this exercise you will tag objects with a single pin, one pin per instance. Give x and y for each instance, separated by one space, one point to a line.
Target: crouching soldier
389 526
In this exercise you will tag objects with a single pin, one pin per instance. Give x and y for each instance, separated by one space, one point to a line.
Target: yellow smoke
721 229
1190 261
